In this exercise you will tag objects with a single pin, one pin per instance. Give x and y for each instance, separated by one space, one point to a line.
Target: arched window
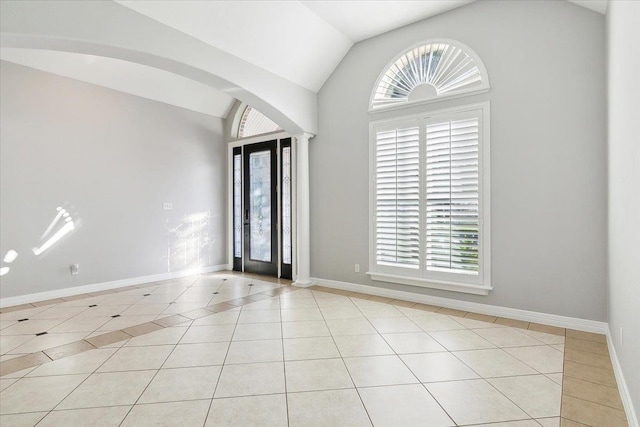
253 122
429 174
435 70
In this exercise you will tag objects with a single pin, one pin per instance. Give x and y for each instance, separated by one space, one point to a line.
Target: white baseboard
114 284
627 403
492 310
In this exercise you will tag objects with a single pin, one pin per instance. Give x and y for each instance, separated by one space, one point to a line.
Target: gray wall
623 30
111 159
548 147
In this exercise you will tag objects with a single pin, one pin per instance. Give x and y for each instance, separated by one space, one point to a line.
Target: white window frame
474 284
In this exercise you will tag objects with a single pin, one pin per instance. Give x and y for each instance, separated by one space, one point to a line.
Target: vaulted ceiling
299 41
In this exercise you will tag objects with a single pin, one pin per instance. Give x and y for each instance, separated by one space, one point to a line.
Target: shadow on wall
189 242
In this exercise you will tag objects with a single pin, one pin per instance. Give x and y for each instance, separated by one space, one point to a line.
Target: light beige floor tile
251 379
94 417
461 340
403 405
327 409
549 422
102 311
22 314
300 314
412 342
362 345
183 307
6 382
537 395
311 375
229 317
137 358
341 312
44 342
380 311
11 342
21 420
476 324
298 303
474 402
143 309
259 316
192 413
391 325
334 301
493 363
556 378
310 348
522 423
350 327
118 299
182 384
432 367
254 352
202 354
507 337
437 322
113 339
123 322
108 389
81 324
589 346
257 331
211 333
265 304
166 336
543 359
6 323
379 370
82 363
37 394
305 329
254 411
32 326
55 312
544 337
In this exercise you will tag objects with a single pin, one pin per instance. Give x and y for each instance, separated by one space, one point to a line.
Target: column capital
303 137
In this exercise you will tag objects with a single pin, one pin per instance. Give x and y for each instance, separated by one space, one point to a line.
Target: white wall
546 63
623 33
111 159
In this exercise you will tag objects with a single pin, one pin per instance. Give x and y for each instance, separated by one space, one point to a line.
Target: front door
260 217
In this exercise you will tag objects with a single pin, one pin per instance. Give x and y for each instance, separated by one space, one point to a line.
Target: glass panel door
286 209
260 209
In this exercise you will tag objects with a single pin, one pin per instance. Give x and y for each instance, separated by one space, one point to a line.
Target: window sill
433 284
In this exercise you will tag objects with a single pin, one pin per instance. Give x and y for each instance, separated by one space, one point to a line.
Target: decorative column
304 248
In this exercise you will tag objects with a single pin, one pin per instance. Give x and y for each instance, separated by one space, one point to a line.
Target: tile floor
299 358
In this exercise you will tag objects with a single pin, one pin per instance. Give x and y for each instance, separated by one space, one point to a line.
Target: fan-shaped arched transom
430 71
253 122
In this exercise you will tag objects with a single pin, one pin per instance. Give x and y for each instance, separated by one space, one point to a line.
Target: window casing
430 200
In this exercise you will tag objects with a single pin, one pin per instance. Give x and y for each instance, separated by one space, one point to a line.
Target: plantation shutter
452 195
397 209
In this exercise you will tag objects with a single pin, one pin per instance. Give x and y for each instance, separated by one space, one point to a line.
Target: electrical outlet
167 206
621 337
357 268
74 269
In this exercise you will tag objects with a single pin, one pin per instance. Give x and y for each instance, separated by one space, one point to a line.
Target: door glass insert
237 205
286 205
260 205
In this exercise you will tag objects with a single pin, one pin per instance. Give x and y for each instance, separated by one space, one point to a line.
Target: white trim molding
474 307
625 396
434 284
103 286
